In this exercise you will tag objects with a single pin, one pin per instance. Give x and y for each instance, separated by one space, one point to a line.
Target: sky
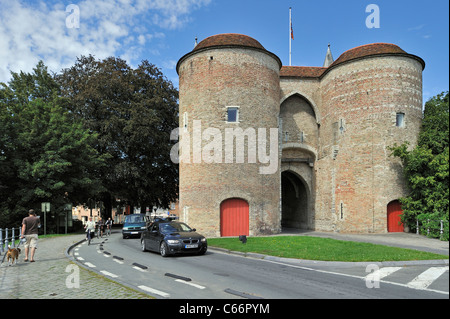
162 31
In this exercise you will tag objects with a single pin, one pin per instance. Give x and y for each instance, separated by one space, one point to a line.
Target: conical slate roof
328 58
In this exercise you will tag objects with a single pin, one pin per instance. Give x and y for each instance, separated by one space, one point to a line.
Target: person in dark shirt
30 226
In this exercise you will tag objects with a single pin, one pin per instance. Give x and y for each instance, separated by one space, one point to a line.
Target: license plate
191 246
134 233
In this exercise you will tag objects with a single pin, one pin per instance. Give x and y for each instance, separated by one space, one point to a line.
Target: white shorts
31 241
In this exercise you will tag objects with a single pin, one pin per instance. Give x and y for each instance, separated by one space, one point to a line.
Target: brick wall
347 114
360 102
210 81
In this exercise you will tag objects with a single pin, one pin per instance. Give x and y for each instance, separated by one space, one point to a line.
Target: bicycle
108 230
99 231
89 236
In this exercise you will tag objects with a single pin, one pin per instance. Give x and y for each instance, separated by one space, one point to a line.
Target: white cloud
416 28
31 31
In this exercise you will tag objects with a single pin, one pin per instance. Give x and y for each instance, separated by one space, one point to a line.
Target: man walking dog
30 226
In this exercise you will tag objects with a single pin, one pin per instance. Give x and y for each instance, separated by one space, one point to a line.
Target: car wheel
163 249
203 251
143 247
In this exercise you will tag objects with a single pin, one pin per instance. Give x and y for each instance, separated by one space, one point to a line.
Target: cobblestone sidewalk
52 276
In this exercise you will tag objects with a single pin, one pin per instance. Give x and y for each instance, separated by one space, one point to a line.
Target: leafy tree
426 167
47 153
133 112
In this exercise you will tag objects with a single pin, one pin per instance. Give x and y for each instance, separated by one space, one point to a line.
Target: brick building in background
333 124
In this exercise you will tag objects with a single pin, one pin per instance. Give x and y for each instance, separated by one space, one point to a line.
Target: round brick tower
229 157
371 99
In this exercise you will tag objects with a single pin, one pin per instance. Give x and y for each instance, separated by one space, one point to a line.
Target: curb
73 259
306 262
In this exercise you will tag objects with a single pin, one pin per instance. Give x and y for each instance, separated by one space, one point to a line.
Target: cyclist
90 229
100 228
108 226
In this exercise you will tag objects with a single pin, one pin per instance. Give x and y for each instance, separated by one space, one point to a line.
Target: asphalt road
218 275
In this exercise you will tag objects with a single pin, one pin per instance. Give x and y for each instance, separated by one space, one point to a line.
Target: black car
171 237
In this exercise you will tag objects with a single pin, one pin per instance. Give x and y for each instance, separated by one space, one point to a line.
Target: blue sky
162 31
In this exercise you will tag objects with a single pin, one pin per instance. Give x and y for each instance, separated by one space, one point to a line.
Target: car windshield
134 219
174 227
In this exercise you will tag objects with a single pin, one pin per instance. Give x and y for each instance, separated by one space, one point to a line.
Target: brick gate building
265 146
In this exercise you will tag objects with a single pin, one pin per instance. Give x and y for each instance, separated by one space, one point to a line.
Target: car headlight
173 241
144 227
125 228
203 240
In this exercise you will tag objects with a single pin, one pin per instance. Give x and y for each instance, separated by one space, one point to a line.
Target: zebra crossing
419 277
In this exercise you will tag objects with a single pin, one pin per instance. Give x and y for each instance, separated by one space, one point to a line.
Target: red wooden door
394 211
234 217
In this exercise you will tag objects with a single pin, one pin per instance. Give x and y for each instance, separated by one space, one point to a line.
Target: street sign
45 206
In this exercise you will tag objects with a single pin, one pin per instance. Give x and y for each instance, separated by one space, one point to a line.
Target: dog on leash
12 255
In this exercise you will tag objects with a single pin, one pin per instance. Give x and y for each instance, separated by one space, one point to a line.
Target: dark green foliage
46 153
97 132
426 168
133 112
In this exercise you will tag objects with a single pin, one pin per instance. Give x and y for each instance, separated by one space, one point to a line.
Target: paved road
53 275
222 275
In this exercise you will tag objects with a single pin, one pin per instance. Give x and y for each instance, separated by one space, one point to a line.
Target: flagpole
290 36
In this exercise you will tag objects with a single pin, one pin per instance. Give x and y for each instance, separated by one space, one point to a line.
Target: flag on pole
291 36
292 31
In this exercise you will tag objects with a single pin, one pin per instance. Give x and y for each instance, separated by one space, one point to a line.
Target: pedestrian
30 226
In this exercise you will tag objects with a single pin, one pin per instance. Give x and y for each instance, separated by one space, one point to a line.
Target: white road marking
154 291
426 278
140 269
108 274
381 273
90 265
351 276
190 283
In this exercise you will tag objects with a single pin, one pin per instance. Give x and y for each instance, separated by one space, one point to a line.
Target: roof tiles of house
301 71
229 39
374 49
368 50
240 40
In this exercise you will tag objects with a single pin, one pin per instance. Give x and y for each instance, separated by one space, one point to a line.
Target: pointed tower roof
328 58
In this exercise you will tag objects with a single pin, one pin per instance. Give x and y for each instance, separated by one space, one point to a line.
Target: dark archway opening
294 194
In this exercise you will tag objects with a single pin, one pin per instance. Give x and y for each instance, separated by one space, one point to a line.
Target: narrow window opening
341 126
232 115
400 120
185 121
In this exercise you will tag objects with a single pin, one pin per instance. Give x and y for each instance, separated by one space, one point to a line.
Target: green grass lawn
316 248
